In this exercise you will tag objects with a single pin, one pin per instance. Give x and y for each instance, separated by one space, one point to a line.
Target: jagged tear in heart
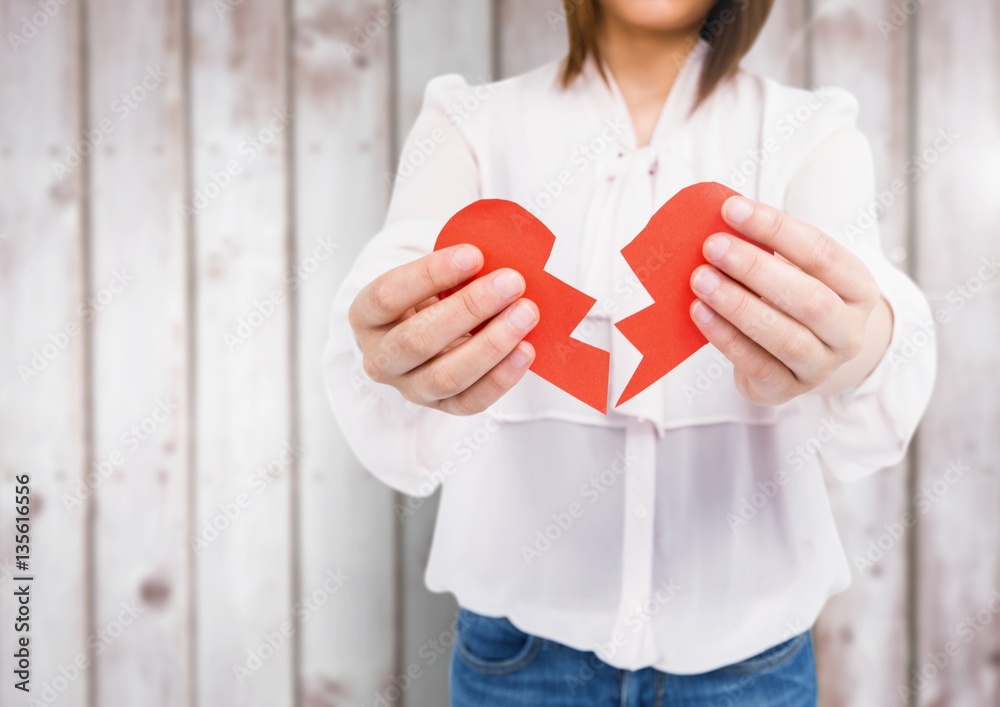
509 236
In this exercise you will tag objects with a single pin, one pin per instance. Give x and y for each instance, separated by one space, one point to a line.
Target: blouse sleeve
403 444
833 189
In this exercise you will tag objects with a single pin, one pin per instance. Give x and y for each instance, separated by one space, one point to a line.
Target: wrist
878 335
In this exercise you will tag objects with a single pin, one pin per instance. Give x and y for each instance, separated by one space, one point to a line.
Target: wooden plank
420 56
782 47
531 33
245 445
43 356
861 638
956 216
424 49
343 139
140 347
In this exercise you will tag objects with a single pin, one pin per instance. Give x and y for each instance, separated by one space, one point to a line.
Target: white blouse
689 528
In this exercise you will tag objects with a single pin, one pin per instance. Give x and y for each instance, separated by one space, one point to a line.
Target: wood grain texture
245 446
531 33
781 50
342 81
435 38
139 247
862 638
421 54
958 251
279 524
43 355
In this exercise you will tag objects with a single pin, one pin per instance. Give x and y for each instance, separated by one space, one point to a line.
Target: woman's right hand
421 345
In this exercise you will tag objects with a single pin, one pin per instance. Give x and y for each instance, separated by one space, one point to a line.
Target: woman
676 550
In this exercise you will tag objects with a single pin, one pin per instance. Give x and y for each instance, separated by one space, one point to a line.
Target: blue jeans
496 664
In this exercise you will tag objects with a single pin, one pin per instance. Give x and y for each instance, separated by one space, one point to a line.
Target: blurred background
183 184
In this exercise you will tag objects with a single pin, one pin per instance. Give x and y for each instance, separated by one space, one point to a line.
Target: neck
645 63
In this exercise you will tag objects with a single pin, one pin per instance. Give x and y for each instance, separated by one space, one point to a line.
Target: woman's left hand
789 324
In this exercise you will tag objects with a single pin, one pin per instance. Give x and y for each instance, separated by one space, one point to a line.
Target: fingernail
508 284
706 281
738 209
522 316
466 258
716 247
519 358
703 314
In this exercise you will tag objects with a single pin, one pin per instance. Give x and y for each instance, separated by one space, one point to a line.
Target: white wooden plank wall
135 86
866 625
423 52
43 395
240 129
956 212
233 552
342 83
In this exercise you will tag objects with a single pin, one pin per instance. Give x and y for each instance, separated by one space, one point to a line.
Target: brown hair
730 28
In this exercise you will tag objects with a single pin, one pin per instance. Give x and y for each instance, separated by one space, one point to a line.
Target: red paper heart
510 237
663 256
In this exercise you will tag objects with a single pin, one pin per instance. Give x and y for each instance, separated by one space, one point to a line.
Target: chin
657 15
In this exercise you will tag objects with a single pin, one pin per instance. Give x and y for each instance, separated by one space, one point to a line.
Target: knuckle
471 304
494 344
756 266
760 368
441 382
735 342
787 299
743 308
814 305
772 222
497 383
381 295
745 384
466 405
795 346
410 395
823 254
411 342
773 379
855 342
429 273
373 368
354 315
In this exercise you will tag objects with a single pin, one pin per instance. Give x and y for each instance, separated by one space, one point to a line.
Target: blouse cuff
875 379
878 417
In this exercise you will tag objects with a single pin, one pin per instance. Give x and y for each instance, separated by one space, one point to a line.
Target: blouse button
640 510
636 607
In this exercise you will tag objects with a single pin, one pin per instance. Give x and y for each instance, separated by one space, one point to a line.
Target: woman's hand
810 324
421 345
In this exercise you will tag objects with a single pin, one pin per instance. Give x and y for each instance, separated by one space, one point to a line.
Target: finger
388 297
427 303
761 377
797 294
807 247
452 373
777 333
491 387
418 308
425 334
